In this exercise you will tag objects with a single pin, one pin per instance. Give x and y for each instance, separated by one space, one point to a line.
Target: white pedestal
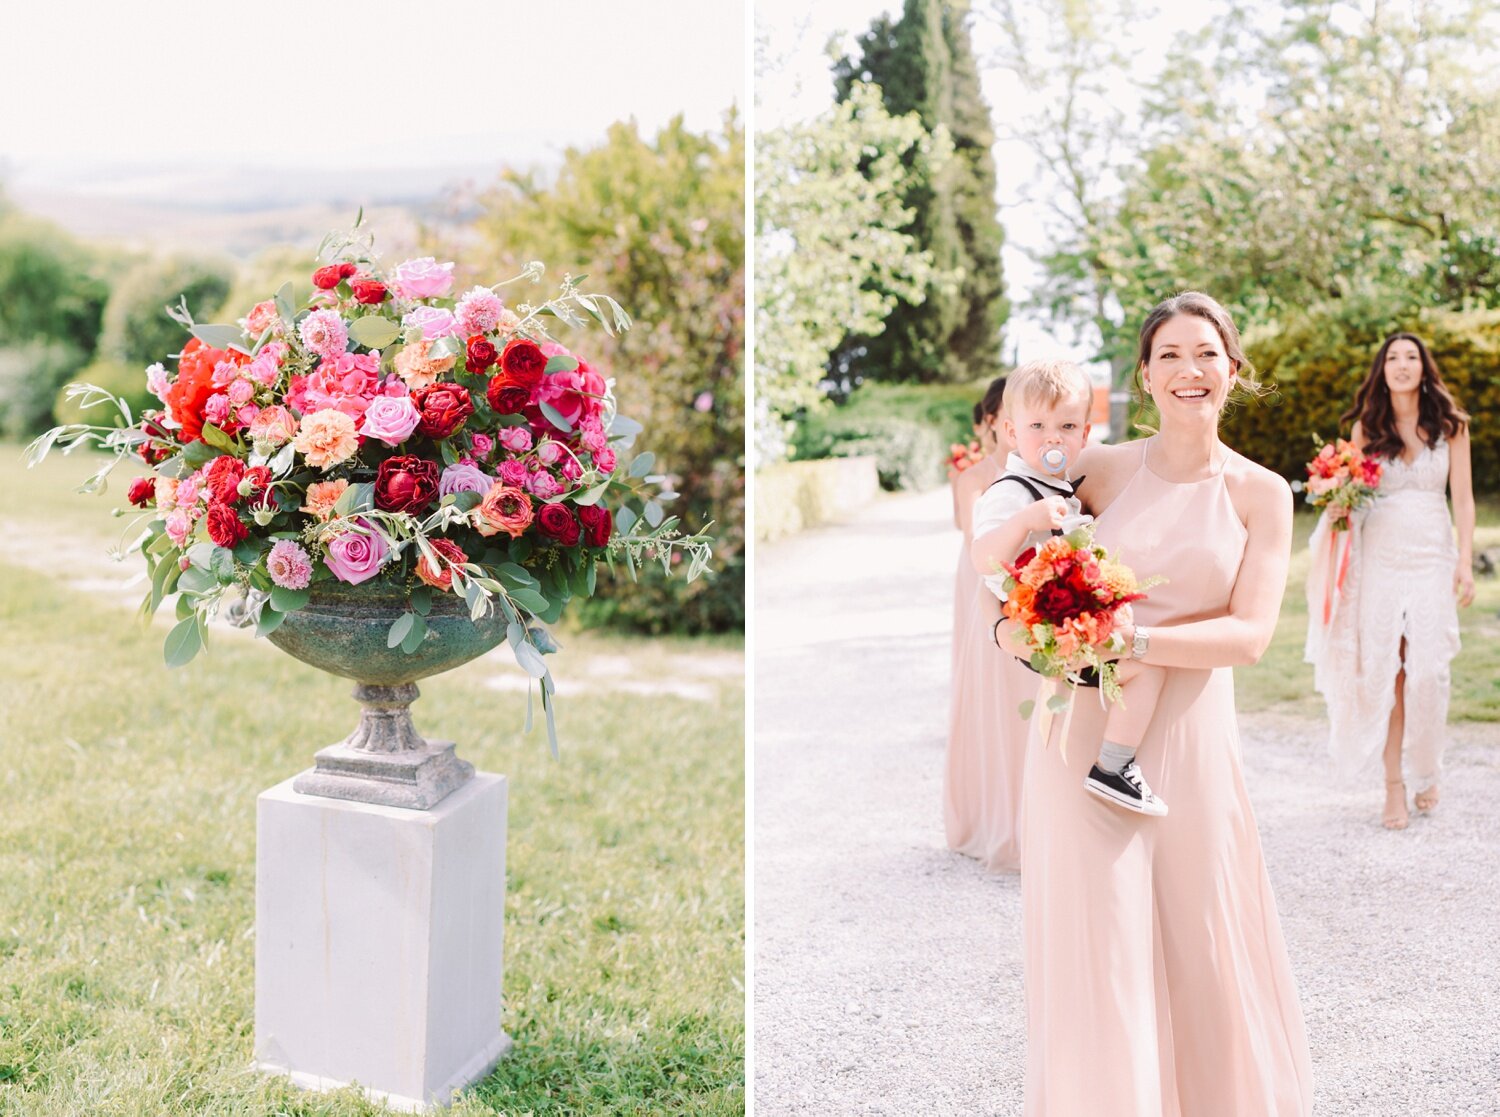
378 942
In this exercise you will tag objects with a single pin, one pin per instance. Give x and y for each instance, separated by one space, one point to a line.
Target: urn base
417 779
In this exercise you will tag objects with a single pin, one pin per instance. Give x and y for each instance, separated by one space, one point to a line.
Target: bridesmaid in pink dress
1157 977
986 736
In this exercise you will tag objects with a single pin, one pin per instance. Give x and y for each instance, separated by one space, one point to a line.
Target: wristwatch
1142 643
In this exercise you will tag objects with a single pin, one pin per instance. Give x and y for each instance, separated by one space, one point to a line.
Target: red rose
505 397
598 524
223 478
481 355
1024 557
158 447
347 269
327 278
1057 601
444 408
523 363
368 291
556 522
405 484
259 477
449 554
142 491
224 526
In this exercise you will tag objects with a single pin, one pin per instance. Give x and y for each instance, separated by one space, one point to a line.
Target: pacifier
1054 459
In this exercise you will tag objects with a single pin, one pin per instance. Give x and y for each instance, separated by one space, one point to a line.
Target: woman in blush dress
1157 977
1382 663
986 736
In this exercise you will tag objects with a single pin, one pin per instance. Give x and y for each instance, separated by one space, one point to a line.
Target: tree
660 225
924 63
137 328
833 256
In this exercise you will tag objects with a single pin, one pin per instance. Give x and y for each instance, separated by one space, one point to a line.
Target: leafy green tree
51 288
924 63
660 225
833 252
137 328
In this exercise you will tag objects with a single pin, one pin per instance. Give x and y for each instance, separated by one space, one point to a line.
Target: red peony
370 292
328 278
556 522
142 491
450 554
224 526
505 397
523 363
598 524
444 408
1057 601
195 383
223 478
406 484
481 354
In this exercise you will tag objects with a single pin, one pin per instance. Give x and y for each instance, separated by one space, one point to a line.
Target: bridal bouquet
390 431
1068 596
961 457
1342 480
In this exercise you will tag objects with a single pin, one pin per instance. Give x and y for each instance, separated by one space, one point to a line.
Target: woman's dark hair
1438 416
993 396
978 413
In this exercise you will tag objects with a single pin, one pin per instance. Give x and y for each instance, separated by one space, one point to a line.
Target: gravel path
887 969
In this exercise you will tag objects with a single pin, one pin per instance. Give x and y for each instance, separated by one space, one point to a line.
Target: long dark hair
1438 416
993 396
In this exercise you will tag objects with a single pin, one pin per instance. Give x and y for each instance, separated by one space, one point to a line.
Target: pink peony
261 318
273 426
357 556
465 477
478 312
324 332
289 565
515 439
422 278
570 393
591 435
434 321
391 419
345 384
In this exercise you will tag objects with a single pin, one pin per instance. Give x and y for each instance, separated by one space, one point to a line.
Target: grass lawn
1283 681
127 852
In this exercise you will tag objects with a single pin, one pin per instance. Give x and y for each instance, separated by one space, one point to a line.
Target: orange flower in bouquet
961 457
1342 480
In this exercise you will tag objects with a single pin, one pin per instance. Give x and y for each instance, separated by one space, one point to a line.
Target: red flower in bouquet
405 483
556 522
444 409
195 384
328 278
142 491
480 354
368 291
523 362
961 457
224 474
441 576
224 525
1342 480
597 525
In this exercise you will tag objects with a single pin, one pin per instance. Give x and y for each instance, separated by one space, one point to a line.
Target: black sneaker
1127 788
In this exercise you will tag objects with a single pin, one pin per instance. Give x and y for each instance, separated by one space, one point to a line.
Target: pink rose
261 318
434 321
511 472
241 391
263 370
550 452
482 444
465 477
422 278
357 556
391 419
605 460
216 410
178 526
274 426
544 486
591 435
246 415
515 439
571 469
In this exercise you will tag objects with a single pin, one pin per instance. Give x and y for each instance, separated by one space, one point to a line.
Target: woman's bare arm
1461 485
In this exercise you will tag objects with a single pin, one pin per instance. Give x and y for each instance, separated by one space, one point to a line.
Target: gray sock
1114 757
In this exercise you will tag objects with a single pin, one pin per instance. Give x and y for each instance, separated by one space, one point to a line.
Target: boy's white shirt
1002 500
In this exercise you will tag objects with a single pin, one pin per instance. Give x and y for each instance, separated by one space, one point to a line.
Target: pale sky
323 84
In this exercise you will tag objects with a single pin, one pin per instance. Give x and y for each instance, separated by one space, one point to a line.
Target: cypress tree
924 63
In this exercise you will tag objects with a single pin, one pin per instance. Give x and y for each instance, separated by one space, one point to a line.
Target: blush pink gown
986 736
1157 978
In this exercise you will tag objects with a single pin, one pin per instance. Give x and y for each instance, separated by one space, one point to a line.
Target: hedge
793 496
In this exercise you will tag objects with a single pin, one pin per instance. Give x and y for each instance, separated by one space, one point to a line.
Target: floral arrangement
1341 480
386 431
961 457
1068 597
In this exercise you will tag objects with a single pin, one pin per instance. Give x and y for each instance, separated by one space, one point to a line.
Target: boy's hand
1046 514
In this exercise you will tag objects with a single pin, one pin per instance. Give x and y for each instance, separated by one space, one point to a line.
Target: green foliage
794 496
831 256
31 375
123 380
659 224
908 454
136 325
49 286
1317 363
924 63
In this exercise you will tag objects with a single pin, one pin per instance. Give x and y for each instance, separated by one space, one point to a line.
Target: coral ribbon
1338 570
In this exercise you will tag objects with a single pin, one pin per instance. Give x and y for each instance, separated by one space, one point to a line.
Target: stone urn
343 630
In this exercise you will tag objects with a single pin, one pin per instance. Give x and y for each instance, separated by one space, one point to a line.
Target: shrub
30 376
1316 364
136 325
793 496
48 287
124 380
908 454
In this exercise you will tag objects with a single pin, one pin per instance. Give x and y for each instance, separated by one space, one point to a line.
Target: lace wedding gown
1399 584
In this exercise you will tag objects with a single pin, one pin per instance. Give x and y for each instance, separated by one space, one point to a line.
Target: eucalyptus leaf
221 564
220 337
529 599
285 600
1059 702
593 575
561 363
417 634
219 440
445 347
374 331
623 427
270 621
515 633
554 416
591 496
467 502
547 705
530 660
421 600
400 629
196 581
198 453
642 464
624 518
653 513
183 642
1027 708
284 305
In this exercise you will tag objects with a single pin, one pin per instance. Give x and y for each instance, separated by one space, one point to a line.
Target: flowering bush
961 456
387 431
1068 596
1342 480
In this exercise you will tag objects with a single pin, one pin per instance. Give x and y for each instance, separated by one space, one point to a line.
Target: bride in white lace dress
1382 664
